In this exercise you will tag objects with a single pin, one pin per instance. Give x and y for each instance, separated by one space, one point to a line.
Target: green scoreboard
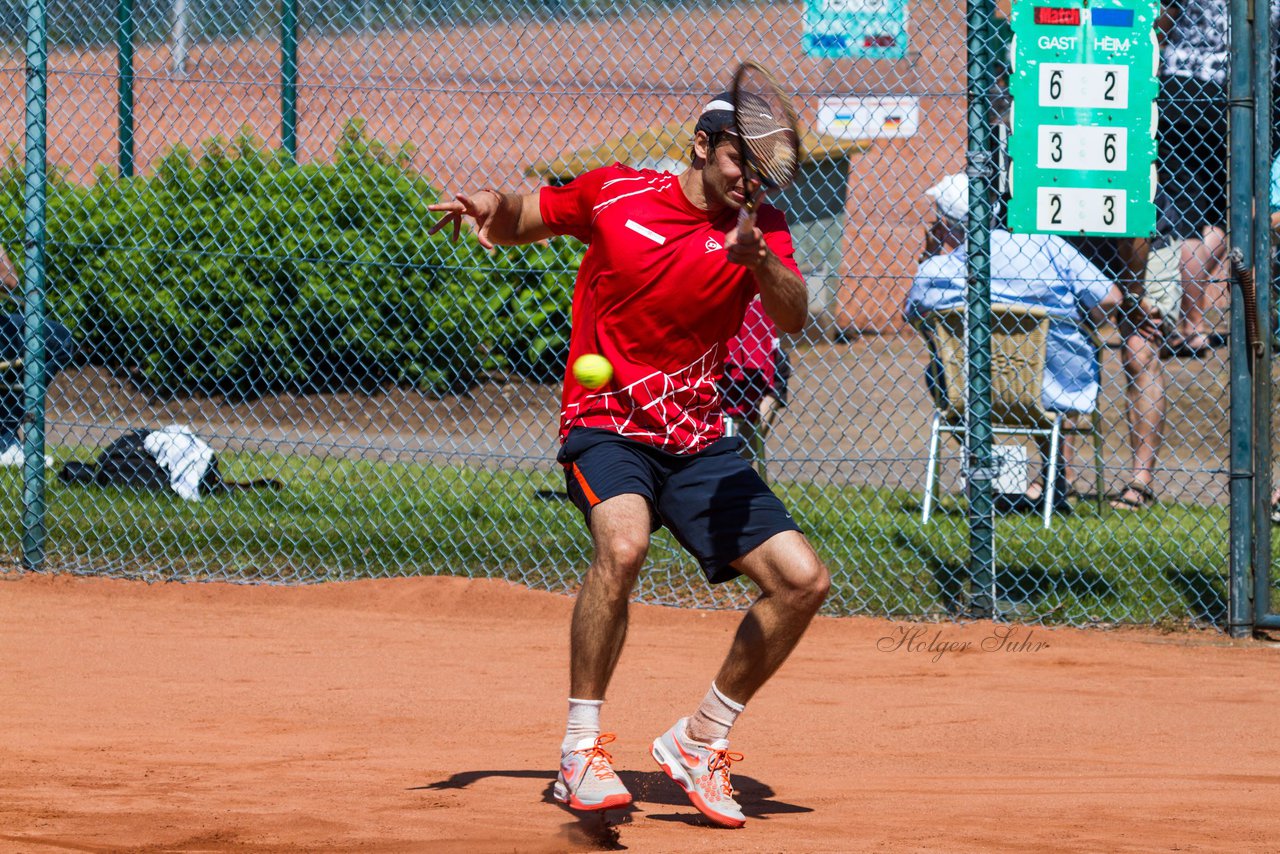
1082 143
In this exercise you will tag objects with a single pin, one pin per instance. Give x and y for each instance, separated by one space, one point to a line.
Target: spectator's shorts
1192 158
1162 284
712 501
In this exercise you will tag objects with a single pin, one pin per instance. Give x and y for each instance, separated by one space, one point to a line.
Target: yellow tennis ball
592 371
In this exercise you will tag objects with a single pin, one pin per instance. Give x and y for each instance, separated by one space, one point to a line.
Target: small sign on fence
871 117
1082 146
1011 468
872 29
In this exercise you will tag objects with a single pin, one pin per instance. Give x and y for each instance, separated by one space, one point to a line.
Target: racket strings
766 124
773 157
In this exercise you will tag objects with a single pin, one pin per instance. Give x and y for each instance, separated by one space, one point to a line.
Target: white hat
951 195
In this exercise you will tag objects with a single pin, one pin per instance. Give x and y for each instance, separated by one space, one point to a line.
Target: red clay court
425 714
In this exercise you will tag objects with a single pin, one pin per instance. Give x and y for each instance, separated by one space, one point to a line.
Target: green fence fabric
236 244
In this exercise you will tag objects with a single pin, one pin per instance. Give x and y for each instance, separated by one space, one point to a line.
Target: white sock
584 722
714 718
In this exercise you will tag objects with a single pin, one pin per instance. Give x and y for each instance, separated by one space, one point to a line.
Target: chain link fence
243 252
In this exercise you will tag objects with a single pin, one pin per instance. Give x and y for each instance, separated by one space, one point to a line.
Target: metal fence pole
1262 254
1239 226
124 85
178 38
34 197
289 78
978 407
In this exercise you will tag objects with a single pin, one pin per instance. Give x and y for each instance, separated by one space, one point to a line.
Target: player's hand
747 250
480 208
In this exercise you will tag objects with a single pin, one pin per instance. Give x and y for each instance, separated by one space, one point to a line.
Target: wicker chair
1018 349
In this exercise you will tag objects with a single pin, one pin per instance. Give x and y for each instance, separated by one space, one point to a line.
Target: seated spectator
754 385
1030 270
59 348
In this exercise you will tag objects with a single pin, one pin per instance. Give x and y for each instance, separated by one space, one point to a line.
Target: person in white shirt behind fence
1040 270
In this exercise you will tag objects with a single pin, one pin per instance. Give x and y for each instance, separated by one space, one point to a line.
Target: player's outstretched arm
502 219
783 293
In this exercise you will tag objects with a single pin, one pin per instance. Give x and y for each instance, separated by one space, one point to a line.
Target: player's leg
611 482
793 584
724 514
695 751
620 528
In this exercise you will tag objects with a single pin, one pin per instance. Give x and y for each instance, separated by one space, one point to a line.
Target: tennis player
663 287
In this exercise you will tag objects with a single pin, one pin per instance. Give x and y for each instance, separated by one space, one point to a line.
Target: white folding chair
1019 335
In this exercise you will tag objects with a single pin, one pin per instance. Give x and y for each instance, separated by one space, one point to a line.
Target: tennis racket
768 137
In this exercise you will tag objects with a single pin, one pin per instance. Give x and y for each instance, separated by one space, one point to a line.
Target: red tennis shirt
657 297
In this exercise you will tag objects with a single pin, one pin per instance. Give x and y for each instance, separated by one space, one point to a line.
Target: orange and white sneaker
587 780
702 770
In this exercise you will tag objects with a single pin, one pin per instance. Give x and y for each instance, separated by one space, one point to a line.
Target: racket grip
746 222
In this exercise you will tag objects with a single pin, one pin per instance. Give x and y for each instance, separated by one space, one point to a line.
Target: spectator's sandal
1076 494
1178 347
1146 497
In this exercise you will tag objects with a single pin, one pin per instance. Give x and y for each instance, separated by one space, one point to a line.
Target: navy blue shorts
712 501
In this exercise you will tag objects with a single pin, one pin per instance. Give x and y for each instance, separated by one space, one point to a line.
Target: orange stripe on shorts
592 499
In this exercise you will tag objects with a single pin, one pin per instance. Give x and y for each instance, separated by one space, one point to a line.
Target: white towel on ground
183 455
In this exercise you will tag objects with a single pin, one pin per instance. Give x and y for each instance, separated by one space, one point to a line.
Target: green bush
239 273
532 308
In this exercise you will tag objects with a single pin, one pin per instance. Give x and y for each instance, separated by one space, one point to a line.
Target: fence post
1239 226
978 327
124 85
1262 253
289 78
34 197
178 38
